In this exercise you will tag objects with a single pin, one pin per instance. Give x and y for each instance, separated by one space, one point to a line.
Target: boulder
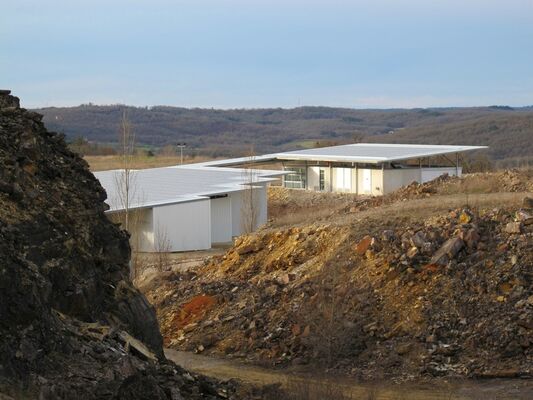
448 251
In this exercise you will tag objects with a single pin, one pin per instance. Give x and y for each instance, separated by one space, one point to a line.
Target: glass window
295 179
321 180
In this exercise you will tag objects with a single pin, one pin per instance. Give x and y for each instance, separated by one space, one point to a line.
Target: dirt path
466 390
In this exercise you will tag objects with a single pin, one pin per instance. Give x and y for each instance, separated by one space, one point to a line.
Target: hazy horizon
234 54
282 108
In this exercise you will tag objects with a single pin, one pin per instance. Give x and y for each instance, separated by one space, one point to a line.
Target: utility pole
181 147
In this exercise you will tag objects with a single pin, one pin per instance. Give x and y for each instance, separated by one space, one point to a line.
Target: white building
363 168
190 207
195 206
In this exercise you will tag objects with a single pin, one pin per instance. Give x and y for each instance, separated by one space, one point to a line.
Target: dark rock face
65 297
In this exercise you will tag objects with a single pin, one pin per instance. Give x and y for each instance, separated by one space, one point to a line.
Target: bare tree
125 185
162 248
249 203
125 178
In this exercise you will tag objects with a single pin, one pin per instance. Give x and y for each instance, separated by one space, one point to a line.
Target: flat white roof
177 184
368 153
372 153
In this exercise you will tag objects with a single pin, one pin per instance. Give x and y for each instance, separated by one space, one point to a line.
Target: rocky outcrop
71 323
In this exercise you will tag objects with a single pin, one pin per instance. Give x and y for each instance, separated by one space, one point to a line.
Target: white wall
187 225
313 178
372 186
237 210
396 178
262 205
236 213
428 174
144 237
342 179
221 220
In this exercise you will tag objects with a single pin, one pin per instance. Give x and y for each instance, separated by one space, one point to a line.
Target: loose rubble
449 295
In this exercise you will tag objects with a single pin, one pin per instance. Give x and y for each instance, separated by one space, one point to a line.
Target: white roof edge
433 151
230 161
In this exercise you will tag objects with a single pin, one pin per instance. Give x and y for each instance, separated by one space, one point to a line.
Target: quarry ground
319 386
430 283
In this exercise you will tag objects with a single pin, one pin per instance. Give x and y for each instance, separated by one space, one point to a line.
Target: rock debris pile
448 295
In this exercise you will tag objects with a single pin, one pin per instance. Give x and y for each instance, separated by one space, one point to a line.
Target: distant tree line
226 133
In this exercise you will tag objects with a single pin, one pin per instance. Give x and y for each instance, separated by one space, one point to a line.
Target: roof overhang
370 153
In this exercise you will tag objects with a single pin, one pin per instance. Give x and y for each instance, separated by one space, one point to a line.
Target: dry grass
103 163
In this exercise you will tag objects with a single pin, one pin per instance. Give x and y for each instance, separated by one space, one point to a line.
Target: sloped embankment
71 323
386 296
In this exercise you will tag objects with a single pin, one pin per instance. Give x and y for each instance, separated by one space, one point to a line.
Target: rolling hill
508 131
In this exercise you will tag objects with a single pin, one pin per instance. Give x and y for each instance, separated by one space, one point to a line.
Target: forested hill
213 132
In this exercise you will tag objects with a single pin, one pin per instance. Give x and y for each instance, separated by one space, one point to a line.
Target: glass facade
296 178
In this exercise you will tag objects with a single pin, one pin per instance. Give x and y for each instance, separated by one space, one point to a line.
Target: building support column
356 179
283 169
306 175
330 178
382 178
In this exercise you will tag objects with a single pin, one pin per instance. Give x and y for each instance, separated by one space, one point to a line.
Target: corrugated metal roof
372 153
168 185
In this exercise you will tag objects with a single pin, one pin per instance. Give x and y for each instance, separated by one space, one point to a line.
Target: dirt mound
383 297
71 323
288 206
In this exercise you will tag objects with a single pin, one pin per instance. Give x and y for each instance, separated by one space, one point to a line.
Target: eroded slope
378 294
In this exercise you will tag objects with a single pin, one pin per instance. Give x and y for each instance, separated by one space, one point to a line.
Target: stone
513 227
418 239
363 245
525 217
448 251
471 238
465 217
388 235
284 279
248 248
412 252
137 346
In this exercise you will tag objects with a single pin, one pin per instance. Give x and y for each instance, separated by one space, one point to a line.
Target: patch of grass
104 163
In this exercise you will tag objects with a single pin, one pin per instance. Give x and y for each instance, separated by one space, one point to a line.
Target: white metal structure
191 206
362 168
196 205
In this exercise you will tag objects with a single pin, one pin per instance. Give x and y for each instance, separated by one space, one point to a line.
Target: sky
258 53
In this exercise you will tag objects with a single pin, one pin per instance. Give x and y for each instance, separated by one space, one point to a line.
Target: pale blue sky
258 53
